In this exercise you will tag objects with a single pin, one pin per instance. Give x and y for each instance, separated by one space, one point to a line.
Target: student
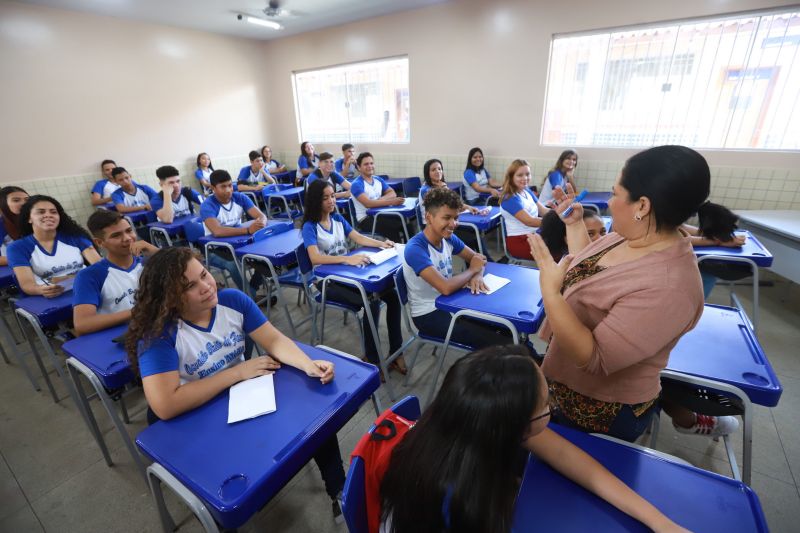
254 177
306 163
53 247
179 313
222 214
325 172
325 236
477 179
716 226
273 165
433 177
181 198
130 197
12 199
428 271
558 176
346 165
520 208
460 467
203 172
103 188
104 292
554 232
369 191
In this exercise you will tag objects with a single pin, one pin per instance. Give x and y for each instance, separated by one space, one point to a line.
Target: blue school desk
481 224
285 177
374 278
163 232
283 196
722 353
140 217
597 199
406 212
227 472
105 366
695 499
276 250
367 279
396 184
454 187
7 280
6 276
40 312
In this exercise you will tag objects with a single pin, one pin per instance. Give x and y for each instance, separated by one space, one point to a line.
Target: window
361 103
725 83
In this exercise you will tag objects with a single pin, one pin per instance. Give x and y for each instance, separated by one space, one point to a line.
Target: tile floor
53 477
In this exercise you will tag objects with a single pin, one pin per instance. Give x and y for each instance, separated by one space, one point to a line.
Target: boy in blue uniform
103 294
181 198
325 172
369 191
222 214
101 192
130 197
428 271
346 165
254 177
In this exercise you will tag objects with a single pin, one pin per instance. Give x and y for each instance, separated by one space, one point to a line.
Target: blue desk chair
411 187
193 229
354 496
416 337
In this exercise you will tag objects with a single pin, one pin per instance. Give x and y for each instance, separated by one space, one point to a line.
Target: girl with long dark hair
325 237
53 247
477 179
203 172
459 468
12 199
559 176
306 163
178 313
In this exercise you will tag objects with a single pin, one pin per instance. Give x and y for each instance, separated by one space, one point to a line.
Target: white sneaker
710 426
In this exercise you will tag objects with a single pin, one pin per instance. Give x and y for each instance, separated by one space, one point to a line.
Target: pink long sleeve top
637 311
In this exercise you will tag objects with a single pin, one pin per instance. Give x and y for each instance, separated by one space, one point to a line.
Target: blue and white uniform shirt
142 196
247 177
229 214
5 238
107 287
420 254
470 177
522 201
373 191
105 188
351 171
553 180
197 352
303 162
203 174
273 165
64 260
329 242
181 207
334 178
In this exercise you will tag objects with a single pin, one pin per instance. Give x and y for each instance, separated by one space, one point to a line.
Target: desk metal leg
11 344
156 475
37 356
464 313
390 213
75 367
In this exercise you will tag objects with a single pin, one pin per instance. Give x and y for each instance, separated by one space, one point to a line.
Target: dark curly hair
66 225
158 299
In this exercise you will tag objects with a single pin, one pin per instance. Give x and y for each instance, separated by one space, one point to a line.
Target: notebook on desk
376 258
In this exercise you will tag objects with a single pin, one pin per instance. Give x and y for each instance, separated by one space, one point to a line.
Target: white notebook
495 283
376 258
251 398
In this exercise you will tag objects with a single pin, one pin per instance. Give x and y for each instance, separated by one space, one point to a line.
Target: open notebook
376 258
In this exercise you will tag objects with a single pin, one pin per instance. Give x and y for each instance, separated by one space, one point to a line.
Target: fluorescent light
262 22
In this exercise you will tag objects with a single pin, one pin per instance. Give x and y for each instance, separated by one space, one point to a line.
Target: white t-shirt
107 286
420 254
522 201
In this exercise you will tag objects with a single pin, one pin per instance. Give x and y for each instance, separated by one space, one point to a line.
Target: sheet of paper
67 283
251 398
495 282
384 255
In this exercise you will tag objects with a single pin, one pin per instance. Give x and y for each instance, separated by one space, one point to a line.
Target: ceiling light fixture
261 22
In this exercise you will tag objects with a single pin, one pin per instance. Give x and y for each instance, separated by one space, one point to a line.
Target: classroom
326 156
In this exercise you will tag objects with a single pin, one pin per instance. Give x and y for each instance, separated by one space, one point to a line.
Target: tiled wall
734 187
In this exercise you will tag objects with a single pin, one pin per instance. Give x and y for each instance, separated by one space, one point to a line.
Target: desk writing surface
696 499
752 249
374 278
49 311
600 199
104 357
279 249
289 193
782 222
722 347
519 301
407 209
237 468
483 222
173 227
240 240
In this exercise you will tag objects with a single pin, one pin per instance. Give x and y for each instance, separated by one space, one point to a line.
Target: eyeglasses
552 408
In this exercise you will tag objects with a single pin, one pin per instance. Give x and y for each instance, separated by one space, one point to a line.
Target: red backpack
375 449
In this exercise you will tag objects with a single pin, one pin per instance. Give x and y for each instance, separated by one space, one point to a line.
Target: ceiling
219 16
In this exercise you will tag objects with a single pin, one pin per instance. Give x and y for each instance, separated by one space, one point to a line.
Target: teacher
617 306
